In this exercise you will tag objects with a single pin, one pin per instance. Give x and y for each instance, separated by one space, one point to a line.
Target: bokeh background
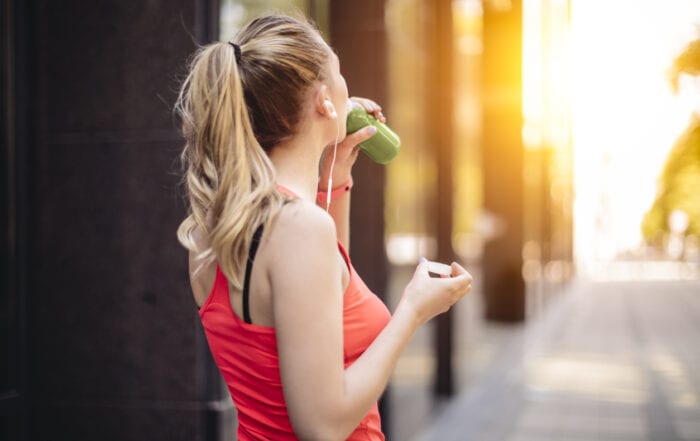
550 146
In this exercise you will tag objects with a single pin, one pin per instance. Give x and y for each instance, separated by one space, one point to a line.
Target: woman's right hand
428 296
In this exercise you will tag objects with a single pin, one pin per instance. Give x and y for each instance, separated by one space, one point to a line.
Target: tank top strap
287 191
248 271
346 256
252 251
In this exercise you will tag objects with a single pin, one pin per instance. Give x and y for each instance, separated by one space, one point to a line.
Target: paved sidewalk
606 361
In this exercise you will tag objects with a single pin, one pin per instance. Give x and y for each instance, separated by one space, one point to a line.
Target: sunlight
598 376
625 116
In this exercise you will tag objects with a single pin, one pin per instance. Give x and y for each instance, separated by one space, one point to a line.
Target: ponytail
238 102
229 178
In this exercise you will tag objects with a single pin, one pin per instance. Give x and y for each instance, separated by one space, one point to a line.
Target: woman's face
338 90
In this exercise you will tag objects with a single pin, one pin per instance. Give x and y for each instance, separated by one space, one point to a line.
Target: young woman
303 345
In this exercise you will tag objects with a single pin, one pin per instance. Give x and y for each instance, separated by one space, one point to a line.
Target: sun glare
625 117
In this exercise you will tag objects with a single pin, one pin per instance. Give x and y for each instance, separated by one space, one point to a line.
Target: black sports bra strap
248 270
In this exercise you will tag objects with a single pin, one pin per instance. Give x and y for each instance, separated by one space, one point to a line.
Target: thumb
361 135
422 267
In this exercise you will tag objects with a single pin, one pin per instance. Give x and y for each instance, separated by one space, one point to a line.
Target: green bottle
384 145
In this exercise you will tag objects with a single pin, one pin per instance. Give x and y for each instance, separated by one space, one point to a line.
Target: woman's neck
296 164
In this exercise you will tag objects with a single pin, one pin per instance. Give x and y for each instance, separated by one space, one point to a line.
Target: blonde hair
233 111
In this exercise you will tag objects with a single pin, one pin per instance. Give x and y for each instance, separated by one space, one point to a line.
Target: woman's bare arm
326 401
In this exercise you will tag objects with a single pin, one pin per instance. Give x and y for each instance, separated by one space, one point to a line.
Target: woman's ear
323 103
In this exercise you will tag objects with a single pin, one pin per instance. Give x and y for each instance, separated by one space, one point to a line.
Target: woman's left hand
348 148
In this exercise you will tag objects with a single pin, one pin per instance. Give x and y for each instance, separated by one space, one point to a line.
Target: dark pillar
502 156
440 127
14 118
116 349
359 37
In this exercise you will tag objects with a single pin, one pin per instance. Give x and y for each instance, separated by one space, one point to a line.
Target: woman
305 348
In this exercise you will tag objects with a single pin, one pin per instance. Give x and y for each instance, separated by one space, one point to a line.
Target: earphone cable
330 174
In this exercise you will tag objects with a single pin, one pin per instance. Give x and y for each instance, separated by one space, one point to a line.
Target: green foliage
678 187
679 183
236 13
687 62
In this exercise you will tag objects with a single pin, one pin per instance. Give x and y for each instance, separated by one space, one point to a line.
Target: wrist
336 192
406 310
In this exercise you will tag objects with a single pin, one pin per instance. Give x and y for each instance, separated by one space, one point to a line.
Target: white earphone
330 108
334 115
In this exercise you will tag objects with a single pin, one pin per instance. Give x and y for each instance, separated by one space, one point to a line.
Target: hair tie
237 50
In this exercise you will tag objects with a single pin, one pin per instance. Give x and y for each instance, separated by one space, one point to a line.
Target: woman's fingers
370 107
458 269
459 283
361 135
430 296
366 103
346 155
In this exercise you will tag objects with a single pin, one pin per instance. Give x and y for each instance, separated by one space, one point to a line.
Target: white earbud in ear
331 109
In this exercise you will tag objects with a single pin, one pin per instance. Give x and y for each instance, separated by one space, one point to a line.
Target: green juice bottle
384 145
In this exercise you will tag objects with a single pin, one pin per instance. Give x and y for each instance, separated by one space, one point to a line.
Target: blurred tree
235 13
679 183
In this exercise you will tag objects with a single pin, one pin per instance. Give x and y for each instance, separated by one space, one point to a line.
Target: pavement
603 360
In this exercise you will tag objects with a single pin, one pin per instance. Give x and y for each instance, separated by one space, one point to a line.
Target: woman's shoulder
302 227
302 218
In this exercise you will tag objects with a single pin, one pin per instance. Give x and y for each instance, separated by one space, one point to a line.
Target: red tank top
246 355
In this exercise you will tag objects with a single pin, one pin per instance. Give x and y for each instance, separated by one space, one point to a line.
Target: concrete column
441 135
117 351
502 157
